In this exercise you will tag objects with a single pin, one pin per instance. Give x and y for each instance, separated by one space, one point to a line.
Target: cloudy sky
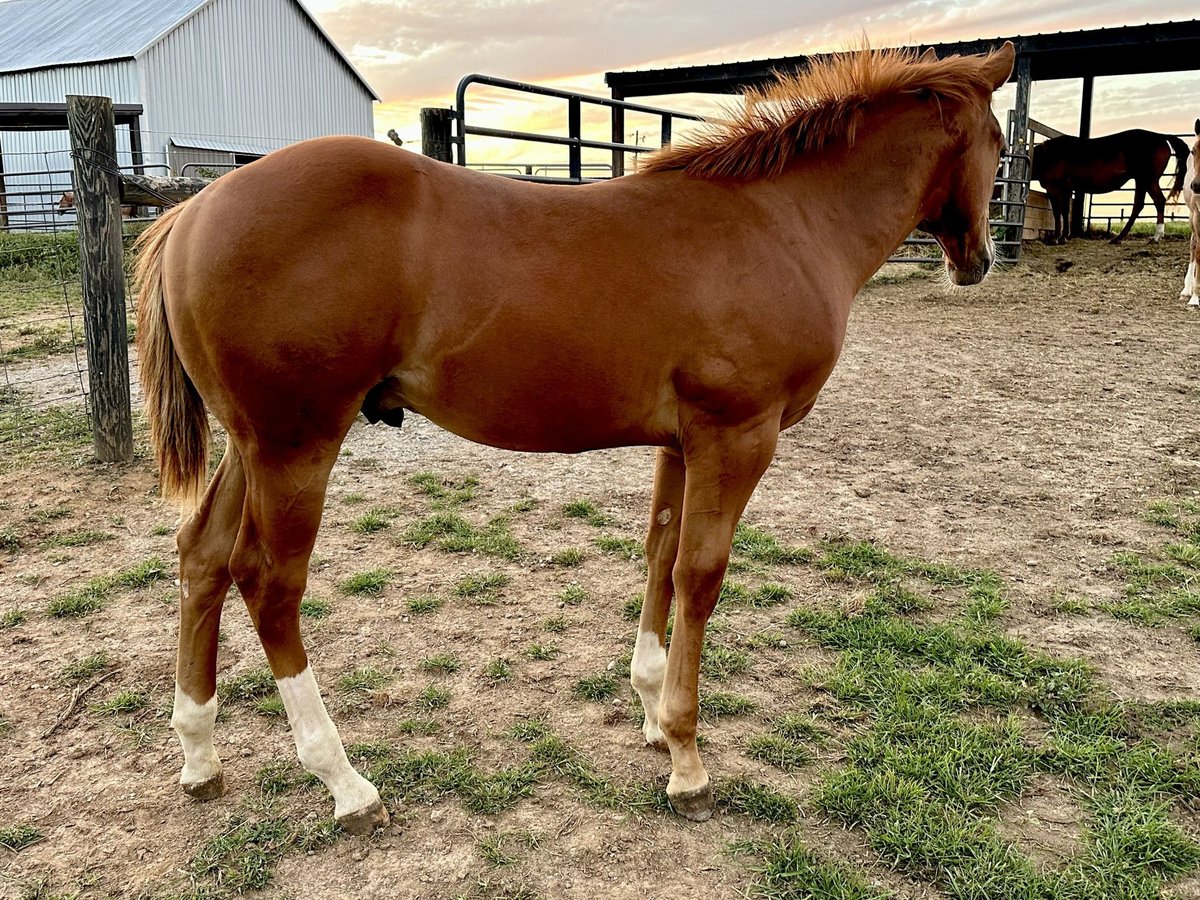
413 52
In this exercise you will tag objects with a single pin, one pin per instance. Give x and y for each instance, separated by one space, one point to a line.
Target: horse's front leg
1191 287
723 467
1139 202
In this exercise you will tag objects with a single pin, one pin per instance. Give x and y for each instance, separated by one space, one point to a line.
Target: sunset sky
413 52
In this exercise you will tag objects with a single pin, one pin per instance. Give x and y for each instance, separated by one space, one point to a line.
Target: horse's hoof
659 744
1195 301
365 820
695 806
209 789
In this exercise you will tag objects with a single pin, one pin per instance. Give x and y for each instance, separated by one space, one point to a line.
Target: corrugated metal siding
252 71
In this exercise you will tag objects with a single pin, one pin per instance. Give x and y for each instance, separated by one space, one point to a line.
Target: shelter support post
92 126
618 137
1085 131
1017 188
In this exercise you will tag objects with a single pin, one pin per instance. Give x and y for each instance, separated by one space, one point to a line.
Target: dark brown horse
1068 164
697 306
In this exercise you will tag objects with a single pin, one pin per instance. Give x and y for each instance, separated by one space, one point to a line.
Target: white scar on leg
193 722
319 745
647 670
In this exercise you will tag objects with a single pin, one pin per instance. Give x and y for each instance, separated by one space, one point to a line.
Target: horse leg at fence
284 499
1060 208
662 544
205 544
1139 201
723 467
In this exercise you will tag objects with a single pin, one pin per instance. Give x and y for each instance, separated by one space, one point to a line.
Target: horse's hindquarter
524 316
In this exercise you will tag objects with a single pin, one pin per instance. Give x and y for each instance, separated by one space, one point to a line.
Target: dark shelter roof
1127 50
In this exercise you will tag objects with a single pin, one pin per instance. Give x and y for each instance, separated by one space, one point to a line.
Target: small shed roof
1126 50
41 34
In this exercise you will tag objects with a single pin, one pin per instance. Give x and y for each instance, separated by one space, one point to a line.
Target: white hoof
1195 301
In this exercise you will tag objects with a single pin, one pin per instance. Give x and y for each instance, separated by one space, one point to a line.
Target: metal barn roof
1125 50
40 34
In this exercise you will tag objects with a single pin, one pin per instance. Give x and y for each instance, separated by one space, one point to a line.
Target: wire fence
43 359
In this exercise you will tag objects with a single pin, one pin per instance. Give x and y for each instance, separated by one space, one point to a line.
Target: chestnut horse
697 306
1191 199
1068 164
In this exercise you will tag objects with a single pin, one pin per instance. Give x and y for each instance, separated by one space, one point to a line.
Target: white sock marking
647 671
1189 282
1159 230
319 745
193 723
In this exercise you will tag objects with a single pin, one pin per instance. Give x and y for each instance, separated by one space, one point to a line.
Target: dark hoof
365 820
696 806
206 790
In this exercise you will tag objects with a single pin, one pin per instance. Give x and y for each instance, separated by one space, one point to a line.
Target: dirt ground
1021 427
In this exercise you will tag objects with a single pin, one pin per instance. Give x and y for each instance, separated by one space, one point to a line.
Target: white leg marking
1159 230
646 674
1189 282
319 745
193 722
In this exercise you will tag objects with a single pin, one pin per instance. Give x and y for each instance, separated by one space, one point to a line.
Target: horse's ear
930 55
998 64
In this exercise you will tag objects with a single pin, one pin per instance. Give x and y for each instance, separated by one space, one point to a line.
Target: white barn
220 82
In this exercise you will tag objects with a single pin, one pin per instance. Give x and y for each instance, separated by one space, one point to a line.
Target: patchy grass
96 593
788 870
243 855
483 590
86 667
441 664
755 544
315 608
588 512
435 696
542 652
363 680
498 671
77 539
717 705
445 492
450 532
572 595
568 559
374 520
600 686
18 837
247 688
368 584
625 548
124 703
11 618
423 606
778 751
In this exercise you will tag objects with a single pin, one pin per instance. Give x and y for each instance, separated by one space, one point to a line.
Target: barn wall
34 160
276 80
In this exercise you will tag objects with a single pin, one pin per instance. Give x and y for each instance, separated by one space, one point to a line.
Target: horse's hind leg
205 544
662 543
1191 281
723 466
284 498
1139 203
1160 206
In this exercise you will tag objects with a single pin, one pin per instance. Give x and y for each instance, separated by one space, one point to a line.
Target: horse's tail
179 429
1182 152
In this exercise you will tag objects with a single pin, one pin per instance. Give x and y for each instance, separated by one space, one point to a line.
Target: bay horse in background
1067 164
696 306
1191 199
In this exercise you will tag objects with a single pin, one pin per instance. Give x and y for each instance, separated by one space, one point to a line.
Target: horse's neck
868 197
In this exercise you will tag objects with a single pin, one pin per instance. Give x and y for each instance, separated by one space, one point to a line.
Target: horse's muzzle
968 275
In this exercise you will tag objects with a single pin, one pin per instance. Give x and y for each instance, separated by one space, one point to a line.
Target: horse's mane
806 110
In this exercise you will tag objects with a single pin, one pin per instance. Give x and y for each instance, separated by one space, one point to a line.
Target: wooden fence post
436 133
97 205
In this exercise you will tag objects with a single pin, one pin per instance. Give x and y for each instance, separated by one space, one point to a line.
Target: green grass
243 855
717 705
315 608
247 688
789 870
77 539
18 837
423 606
572 595
96 593
123 703
366 584
11 618
445 492
435 696
10 541
625 548
441 664
568 558
498 671
776 750
363 680
483 590
86 667
450 532
542 652
588 512
555 624
719 662
374 520
757 545
600 686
